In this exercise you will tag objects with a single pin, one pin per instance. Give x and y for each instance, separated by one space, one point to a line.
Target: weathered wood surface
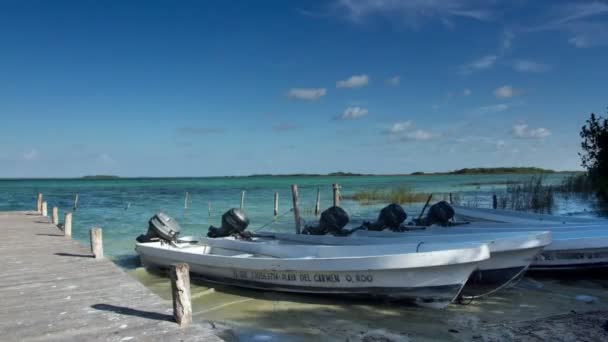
96 242
51 289
180 291
336 192
296 208
67 225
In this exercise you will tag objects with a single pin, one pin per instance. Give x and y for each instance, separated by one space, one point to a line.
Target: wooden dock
51 288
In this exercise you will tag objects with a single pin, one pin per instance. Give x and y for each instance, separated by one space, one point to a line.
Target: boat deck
51 288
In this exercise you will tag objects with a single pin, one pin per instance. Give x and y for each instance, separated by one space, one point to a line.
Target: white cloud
523 65
505 92
419 135
404 131
352 113
307 94
523 131
580 21
482 63
492 109
413 13
355 81
30 155
466 92
394 81
399 127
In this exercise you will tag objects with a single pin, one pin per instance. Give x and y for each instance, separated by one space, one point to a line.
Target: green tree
595 152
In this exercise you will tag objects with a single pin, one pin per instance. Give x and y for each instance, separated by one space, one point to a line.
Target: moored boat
430 274
511 252
577 243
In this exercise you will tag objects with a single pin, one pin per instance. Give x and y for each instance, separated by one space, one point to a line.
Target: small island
100 177
487 171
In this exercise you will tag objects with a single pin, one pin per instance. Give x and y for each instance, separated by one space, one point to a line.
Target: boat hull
434 287
555 260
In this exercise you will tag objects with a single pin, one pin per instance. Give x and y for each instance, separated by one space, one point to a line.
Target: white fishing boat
511 216
429 274
511 252
577 243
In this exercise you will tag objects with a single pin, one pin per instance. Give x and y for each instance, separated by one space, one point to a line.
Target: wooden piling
296 209
180 291
186 200
55 216
451 202
75 202
494 201
96 242
39 203
318 203
276 204
209 209
44 209
336 190
243 200
67 225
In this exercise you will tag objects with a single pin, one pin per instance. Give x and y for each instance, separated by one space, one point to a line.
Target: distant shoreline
465 171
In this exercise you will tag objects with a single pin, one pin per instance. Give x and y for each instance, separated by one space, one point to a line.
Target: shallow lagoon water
123 206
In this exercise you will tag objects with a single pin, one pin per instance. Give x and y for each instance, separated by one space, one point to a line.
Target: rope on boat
273 220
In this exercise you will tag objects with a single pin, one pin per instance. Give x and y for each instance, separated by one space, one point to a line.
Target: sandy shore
588 326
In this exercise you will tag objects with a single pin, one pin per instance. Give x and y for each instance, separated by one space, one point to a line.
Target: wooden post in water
44 209
75 202
55 216
67 225
451 202
242 200
180 291
276 204
494 201
39 203
96 242
336 189
186 200
209 209
296 208
318 203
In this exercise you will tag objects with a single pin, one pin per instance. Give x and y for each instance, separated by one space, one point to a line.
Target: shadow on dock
133 312
49 235
75 255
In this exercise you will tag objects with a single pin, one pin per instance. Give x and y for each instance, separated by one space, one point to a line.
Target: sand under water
272 316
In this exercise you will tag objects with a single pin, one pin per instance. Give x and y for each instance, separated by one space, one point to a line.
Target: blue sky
201 88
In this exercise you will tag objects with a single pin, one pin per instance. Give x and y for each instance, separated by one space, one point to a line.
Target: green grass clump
529 195
402 195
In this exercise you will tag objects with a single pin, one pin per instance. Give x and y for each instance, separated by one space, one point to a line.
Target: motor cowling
332 221
391 217
234 221
440 213
161 227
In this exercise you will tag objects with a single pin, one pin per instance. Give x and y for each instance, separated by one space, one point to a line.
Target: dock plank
51 289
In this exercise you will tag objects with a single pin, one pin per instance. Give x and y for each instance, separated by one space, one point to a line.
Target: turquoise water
105 203
123 206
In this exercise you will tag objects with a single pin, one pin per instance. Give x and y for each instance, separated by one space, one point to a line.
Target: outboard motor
234 221
440 213
391 216
161 227
332 221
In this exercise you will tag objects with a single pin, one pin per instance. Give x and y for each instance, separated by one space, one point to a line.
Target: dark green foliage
595 152
499 170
